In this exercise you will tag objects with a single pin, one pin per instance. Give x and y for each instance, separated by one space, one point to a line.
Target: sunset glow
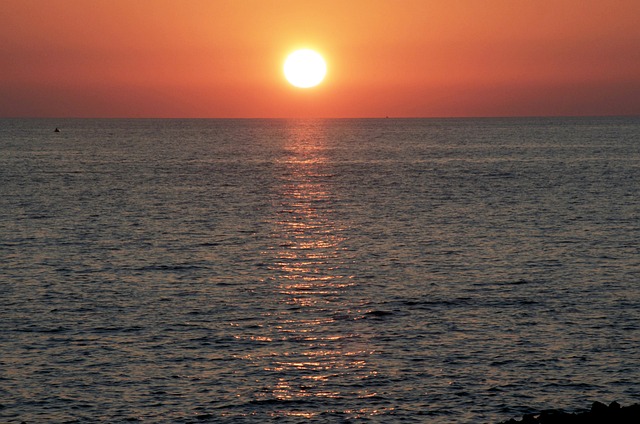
169 58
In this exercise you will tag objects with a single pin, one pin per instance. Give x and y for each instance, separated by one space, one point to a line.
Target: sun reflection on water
309 237
316 344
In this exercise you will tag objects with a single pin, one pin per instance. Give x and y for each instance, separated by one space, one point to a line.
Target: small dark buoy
56 130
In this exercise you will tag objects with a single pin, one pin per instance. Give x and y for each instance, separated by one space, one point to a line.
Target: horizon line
330 117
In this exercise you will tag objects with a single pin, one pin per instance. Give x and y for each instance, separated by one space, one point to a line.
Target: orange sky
208 58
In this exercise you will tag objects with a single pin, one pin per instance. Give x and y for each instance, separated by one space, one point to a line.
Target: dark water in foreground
435 271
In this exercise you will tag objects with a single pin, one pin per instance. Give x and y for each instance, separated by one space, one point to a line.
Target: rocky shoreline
599 414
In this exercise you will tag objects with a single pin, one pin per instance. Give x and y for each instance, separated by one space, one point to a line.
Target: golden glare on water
310 353
311 248
305 68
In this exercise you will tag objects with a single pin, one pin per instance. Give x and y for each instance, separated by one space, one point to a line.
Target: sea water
381 270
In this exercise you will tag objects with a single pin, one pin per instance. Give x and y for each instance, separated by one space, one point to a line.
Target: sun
305 68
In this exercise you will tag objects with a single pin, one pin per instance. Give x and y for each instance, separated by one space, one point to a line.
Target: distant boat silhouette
56 130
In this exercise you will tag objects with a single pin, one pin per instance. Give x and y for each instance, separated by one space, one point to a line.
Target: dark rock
599 414
598 408
552 416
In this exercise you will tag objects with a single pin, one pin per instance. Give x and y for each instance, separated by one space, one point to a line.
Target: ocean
365 270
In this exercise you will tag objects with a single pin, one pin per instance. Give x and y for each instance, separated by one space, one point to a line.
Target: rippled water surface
389 270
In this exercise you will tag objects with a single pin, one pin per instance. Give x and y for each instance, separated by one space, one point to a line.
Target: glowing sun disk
305 68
